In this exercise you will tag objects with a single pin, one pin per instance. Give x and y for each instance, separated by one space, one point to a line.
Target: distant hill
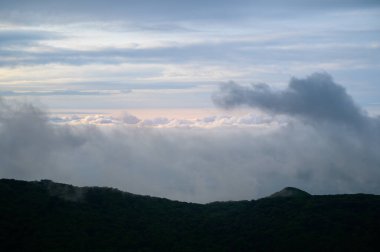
290 192
48 216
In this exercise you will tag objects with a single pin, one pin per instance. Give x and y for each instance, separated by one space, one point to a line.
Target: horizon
280 193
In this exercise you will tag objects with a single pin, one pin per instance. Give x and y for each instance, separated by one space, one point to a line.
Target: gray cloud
195 164
168 10
25 37
316 98
178 54
268 51
343 139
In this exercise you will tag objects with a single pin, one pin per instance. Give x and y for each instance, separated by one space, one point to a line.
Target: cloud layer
119 45
202 165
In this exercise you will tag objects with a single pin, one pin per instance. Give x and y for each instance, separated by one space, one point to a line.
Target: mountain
290 192
49 216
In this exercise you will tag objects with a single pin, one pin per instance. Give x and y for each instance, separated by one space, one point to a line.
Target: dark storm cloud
316 97
205 165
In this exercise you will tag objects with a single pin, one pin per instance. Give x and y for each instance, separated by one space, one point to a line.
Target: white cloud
254 119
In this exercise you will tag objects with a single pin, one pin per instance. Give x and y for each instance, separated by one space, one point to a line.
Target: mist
329 145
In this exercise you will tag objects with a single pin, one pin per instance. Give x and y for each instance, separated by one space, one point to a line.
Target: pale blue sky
122 55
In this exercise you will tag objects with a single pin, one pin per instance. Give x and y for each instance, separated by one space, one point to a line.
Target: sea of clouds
325 145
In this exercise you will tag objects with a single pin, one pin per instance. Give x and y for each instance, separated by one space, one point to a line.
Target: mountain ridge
67 192
290 192
49 216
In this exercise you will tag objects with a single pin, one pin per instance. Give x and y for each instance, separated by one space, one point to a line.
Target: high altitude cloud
53 44
205 165
21 37
166 9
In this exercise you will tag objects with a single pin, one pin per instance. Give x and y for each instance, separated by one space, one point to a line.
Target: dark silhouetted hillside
290 192
48 216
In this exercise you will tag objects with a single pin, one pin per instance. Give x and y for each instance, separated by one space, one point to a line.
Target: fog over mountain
329 145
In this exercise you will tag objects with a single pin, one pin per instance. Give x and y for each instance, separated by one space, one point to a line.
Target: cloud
343 139
129 119
89 36
168 10
126 119
25 37
64 92
198 164
317 98
180 52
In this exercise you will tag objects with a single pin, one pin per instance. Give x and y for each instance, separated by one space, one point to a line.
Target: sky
192 100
